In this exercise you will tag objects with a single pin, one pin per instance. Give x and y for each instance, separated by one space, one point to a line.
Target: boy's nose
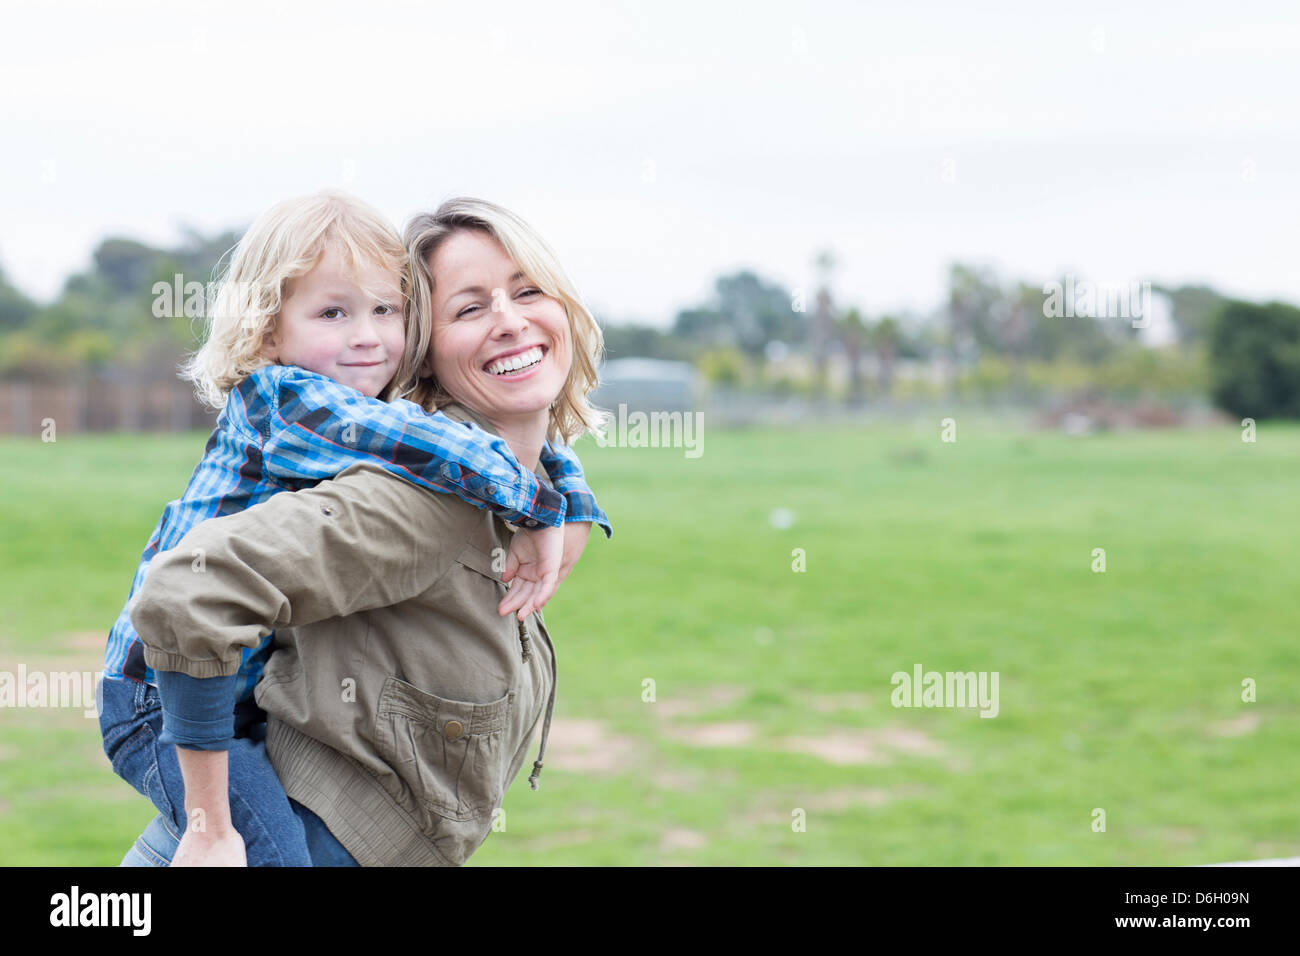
365 334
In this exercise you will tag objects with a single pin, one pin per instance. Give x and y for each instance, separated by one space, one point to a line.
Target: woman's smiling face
500 345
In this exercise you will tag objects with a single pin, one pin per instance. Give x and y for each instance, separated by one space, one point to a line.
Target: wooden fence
96 405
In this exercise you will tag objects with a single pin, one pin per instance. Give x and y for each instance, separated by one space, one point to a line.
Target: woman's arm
362 541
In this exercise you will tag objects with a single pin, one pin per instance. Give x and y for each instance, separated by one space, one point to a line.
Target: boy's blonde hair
571 414
283 244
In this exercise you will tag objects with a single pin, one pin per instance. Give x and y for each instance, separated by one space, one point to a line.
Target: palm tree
853 335
886 337
823 320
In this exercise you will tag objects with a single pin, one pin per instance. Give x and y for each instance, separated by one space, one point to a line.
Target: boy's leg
260 809
155 847
325 848
131 721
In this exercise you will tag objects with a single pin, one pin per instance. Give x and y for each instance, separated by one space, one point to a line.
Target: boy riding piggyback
310 342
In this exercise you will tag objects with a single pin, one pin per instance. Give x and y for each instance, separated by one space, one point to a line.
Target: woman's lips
522 373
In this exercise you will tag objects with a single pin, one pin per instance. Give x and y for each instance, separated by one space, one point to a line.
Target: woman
400 703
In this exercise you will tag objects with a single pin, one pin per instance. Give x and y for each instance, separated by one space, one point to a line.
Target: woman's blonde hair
571 414
283 244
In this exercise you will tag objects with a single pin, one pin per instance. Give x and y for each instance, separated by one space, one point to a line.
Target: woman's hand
576 534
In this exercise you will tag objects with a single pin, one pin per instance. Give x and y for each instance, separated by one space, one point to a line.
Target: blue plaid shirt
284 428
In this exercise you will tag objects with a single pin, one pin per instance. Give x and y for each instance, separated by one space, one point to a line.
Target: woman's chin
525 398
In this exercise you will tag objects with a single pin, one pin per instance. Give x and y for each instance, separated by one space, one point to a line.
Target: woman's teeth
516 363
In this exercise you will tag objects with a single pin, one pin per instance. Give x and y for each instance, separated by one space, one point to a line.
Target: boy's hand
210 848
535 558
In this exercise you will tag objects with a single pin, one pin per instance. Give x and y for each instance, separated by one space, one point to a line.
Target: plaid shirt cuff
548 504
583 507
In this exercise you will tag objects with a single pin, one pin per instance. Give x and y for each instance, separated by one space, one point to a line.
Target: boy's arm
198 719
314 428
565 471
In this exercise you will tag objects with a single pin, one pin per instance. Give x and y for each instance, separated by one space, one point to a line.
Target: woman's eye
466 310
531 292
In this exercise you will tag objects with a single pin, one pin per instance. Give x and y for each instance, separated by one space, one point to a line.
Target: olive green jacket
400 704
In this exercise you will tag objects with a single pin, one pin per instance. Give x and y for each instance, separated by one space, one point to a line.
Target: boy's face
330 324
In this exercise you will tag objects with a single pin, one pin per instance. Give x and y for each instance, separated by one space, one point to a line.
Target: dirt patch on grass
566 838
1247 723
589 746
690 780
83 641
733 734
840 800
779 809
842 747
695 701
678 838
854 747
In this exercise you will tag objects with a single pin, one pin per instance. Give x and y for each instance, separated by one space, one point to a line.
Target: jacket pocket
450 753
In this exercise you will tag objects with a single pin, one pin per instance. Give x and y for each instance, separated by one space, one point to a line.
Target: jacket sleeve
362 541
565 471
315 428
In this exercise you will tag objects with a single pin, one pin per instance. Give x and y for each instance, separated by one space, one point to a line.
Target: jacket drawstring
550 709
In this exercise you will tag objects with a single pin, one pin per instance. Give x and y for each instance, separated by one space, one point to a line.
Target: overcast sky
658 145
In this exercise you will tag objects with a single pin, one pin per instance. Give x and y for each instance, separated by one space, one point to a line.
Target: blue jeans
275 829
157 845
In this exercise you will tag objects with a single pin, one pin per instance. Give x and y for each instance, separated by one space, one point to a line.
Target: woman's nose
508 316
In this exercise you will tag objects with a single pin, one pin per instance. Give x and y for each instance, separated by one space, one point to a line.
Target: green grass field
1119 691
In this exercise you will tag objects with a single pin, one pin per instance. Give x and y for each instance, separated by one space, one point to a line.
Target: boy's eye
326 314
385 309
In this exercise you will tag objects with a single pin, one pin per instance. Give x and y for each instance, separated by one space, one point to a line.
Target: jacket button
453 729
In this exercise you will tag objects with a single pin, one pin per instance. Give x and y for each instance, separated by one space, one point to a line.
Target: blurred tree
1194 308
973 296
886 338
723 366
626 341
853 335
1255 359
746 312
126 264
16 309
823 320
704 327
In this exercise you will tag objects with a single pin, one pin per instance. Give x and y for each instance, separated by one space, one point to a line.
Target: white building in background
647 385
